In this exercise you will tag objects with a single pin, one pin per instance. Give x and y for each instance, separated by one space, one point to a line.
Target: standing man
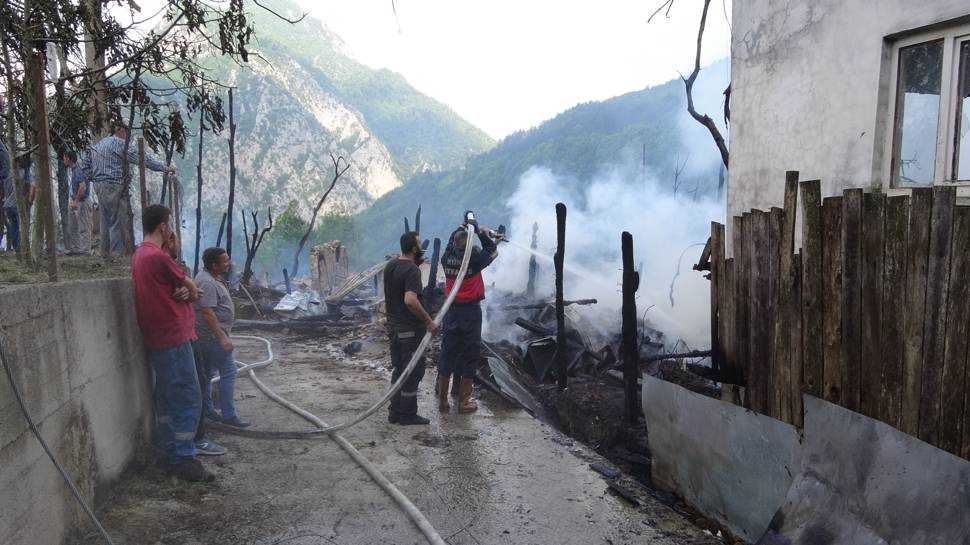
214 318
79 215
103 165
407 322
462 338
14 222
163 307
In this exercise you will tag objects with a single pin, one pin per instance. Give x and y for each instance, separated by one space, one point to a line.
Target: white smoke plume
617 200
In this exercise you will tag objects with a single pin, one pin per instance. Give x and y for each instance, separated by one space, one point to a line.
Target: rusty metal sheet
866 483
733 465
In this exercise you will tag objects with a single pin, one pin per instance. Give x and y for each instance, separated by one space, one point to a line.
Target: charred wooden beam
541 305
561 364
628 345
533 327
677 356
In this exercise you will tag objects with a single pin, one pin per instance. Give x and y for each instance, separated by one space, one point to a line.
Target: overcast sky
508 65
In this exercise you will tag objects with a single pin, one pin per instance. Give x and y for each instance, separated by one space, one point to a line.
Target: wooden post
417 220
530 288
222 226
286 280
718 286
917 263
407 225
43 162
433 273
628 346
143 190
198 190
175 194
232 177
560 309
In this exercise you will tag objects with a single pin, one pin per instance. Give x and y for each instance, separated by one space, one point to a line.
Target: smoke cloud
664 227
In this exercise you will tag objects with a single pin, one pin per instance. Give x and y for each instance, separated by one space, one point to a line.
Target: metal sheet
866 483
731 464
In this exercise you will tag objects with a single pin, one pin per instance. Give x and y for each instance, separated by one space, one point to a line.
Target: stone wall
76 353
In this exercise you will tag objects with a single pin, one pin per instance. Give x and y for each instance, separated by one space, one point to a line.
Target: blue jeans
178 401
13 227
218 359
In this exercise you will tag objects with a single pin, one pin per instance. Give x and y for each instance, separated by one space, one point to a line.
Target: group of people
102 166
408 321
186 325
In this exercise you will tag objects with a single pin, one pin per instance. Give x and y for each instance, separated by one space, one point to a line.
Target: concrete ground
495 477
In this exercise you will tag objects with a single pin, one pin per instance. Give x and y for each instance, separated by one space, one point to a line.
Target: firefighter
462 327
407 322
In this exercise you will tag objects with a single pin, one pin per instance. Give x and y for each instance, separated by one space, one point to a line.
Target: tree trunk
142 189
23 245
98 118
43 161
232 176
337 173
198 199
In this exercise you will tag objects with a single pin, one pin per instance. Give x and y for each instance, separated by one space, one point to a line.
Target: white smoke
616 200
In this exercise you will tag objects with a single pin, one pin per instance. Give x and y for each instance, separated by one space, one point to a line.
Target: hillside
645 132
304 97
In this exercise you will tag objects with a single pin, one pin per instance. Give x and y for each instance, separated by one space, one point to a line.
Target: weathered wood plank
812 294
917 259
757 311
873 224
731 372
893 314
832 305
957 330
717 288
742 265
852 299
778 340
934 319
796 417
785 346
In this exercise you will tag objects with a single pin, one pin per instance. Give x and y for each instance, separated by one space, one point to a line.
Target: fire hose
323 428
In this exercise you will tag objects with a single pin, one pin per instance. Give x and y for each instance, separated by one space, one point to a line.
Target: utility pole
560 308
43 161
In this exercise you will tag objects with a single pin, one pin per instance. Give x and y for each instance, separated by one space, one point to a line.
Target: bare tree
337 173
703 119
253 244
679 171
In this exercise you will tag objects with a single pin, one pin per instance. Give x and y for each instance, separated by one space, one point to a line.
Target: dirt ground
498 476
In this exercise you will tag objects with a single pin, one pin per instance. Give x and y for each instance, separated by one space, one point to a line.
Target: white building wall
810 91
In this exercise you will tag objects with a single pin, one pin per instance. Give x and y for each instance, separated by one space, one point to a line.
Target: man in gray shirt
103 166
214 317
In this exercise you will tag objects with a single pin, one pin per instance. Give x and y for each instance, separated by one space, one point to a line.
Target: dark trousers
203 384
403 345
13 227
177 399
461 341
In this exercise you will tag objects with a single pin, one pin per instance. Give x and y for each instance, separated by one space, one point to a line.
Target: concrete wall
731 464
77 356
810 91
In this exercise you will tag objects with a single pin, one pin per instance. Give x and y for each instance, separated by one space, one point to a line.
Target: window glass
961 161
918 113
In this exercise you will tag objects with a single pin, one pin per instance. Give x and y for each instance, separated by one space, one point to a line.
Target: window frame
943 166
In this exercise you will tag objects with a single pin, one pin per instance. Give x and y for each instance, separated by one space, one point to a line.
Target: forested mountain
646 132
300 98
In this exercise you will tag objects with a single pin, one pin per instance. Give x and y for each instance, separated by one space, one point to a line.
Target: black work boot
412 420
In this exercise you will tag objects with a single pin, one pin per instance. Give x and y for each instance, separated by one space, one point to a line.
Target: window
931 115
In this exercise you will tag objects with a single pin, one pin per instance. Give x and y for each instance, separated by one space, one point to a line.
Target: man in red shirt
163 306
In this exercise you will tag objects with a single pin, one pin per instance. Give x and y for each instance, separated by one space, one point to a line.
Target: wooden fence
872 313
